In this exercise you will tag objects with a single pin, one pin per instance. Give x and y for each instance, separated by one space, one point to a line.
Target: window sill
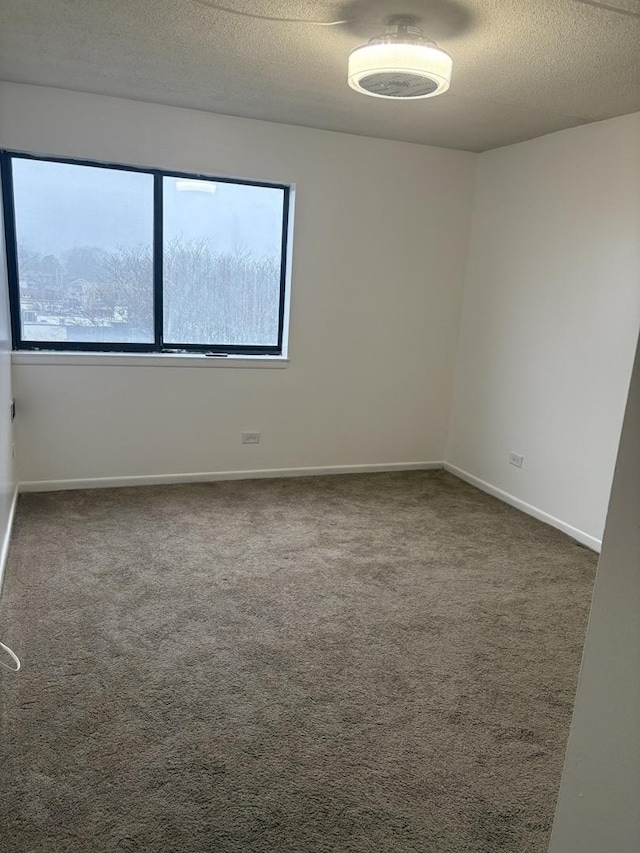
117 359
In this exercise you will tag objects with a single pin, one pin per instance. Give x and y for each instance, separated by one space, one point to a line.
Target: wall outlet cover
250 437
515 459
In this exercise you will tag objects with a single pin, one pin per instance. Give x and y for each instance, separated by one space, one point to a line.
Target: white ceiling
522 68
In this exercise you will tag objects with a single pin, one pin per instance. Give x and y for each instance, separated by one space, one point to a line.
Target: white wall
599 802
550 319
7 484
381 234
550 316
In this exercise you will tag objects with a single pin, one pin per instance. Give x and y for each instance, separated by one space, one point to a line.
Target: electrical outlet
250 438
515 459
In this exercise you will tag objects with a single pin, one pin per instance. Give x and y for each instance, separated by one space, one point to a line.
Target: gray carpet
356 664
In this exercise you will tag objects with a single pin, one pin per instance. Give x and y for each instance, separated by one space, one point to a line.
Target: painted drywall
7 485
550 318
599 803
380 242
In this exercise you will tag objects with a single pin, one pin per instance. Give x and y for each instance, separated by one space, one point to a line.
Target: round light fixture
400 64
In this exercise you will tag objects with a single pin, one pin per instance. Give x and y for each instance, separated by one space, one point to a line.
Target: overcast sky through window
61 206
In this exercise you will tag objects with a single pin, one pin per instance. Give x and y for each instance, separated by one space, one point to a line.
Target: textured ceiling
522 68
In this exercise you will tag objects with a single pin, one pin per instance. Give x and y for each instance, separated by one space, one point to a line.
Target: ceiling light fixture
401 64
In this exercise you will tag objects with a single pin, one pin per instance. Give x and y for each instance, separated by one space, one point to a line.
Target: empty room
319 426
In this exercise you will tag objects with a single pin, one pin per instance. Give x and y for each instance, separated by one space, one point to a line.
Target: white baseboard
574 532
263 473
6 539
212 476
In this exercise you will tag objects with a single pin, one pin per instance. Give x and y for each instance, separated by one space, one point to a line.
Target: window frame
157 346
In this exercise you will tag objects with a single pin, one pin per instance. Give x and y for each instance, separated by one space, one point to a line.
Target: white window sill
145 359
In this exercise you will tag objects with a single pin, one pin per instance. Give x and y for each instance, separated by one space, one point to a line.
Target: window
111 258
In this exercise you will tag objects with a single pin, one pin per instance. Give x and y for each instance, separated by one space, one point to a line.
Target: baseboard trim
529 509
268 473
213 476
6 539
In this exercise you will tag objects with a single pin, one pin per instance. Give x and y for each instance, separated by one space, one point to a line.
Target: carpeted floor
374 663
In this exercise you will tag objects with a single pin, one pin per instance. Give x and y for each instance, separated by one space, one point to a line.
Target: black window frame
158 346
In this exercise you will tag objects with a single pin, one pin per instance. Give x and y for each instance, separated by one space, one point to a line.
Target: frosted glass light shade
400 71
